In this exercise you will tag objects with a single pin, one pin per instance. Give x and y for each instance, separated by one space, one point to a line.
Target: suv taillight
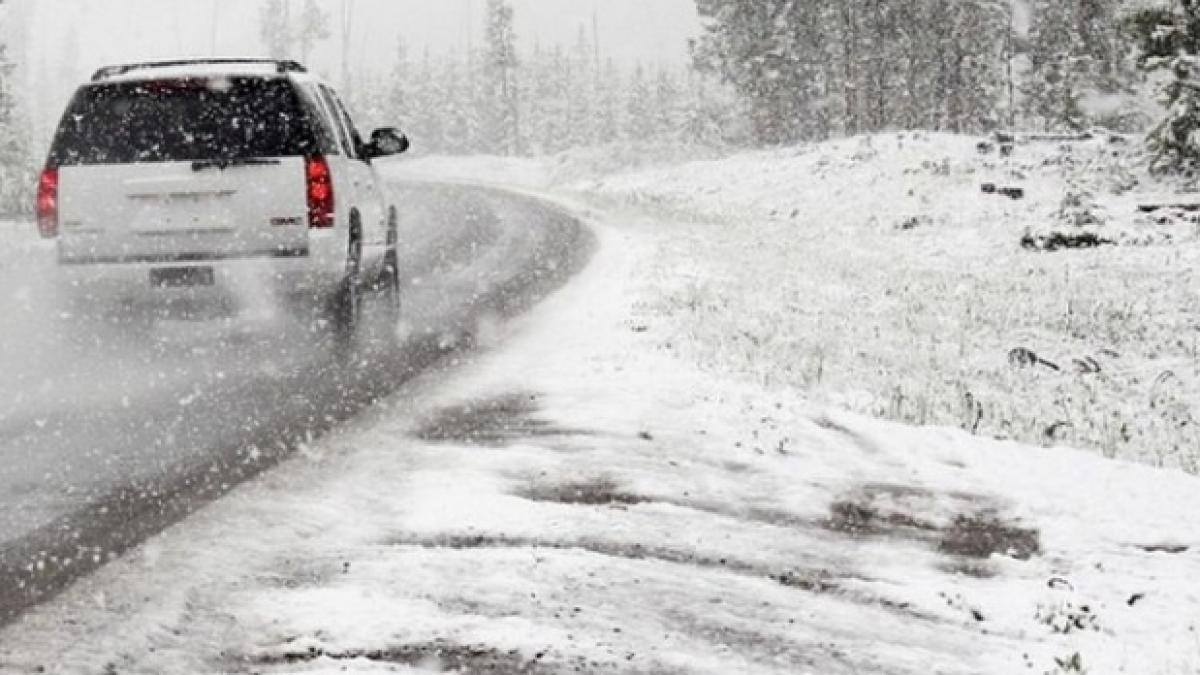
320 192
47 203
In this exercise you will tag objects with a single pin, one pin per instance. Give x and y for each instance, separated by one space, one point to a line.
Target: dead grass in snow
807 282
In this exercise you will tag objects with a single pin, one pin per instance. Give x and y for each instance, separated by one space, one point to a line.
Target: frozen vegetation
878 273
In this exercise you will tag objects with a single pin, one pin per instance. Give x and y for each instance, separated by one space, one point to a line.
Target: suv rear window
185 120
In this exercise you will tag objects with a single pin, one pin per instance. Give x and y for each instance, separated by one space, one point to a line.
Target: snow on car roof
196 69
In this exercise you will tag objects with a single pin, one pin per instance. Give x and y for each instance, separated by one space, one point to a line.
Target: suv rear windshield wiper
225 163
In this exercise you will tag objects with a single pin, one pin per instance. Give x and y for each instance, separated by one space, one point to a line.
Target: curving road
104 443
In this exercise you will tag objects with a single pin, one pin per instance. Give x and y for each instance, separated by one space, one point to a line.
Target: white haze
73 37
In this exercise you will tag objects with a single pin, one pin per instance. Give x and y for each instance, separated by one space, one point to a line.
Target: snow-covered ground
623 481
877 274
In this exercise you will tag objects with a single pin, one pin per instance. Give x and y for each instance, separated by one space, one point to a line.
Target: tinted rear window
184 120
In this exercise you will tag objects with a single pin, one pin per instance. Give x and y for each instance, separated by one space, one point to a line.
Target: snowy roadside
877 274
580 499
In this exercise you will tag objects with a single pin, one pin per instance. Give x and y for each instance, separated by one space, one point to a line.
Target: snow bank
893 275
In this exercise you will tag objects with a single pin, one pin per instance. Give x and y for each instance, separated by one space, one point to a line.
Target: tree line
544 102
498 98
768 72
811 70
17 172
763 72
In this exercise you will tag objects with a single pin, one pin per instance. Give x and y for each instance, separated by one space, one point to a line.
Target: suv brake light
319 182
47 203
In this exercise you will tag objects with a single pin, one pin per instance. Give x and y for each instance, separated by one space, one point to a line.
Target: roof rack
115 71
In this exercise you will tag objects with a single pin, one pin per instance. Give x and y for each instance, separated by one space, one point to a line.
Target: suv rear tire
346 310
388 285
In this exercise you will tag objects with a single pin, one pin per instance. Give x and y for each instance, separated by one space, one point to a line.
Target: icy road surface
105 441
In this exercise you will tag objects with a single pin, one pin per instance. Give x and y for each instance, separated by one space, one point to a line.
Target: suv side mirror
387 141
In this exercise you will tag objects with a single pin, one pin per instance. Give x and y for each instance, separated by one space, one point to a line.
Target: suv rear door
184 169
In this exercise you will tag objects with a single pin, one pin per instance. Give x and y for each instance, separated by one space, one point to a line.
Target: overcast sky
68 39
121 30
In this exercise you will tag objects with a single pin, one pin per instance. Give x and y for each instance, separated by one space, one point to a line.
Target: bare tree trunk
849 85
880 68
1009 45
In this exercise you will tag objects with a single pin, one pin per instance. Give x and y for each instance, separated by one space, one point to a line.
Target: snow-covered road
103 443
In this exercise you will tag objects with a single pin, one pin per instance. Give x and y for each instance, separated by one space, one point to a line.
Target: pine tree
640 126
400 99
668 107
501 127
313 28
17 172
534 102
699 124
428 94
985 28
1171 40
1059 67
881 47
777 56
581 92
288 37
1104 41
807 69
275 28
847 30
455 107
477 104
968 40
549 110
916 55
608 118
562 99
371 103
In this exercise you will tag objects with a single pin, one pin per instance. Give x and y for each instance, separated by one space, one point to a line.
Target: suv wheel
389 277
347 303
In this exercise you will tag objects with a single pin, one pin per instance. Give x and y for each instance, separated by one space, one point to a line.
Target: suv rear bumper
187 258
246 279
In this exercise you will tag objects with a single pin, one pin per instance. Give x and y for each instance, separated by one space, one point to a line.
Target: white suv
186 180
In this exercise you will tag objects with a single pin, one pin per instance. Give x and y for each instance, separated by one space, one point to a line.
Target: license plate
182 277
